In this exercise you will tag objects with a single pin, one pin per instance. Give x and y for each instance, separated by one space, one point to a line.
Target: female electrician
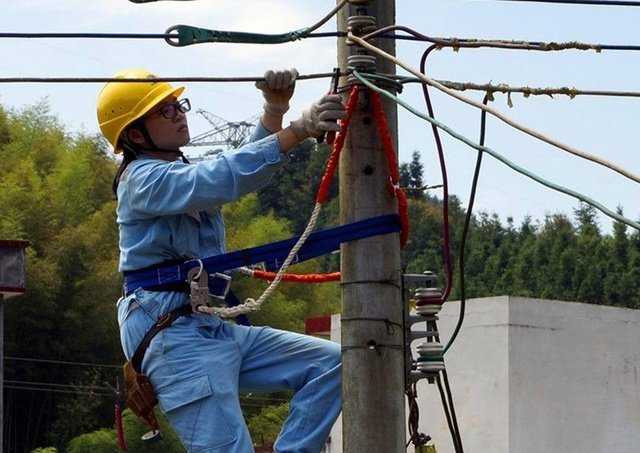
169 210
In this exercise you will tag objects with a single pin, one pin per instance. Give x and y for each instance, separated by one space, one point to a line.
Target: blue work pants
200 363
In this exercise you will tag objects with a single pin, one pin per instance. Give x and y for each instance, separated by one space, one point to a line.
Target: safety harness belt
272 255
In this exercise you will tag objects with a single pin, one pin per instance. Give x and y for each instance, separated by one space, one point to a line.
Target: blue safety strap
272 255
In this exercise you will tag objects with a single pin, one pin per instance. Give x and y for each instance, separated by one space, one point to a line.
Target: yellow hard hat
121 103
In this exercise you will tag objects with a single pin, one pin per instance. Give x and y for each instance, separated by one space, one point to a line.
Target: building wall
532 376
574 377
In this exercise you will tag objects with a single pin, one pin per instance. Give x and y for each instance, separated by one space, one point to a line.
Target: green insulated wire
188 35
498 156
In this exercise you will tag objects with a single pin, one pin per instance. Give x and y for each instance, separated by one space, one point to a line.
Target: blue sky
602 126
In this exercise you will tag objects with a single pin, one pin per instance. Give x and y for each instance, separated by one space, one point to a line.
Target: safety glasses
169 111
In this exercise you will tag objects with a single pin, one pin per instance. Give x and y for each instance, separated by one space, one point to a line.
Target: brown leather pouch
141 398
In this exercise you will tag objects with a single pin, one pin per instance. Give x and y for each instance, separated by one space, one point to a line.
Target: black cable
447 414
449 408
60 362
467 222
454 417
89 35
53 384
584 2
414 415
445 185
499 43
157 79
413 36
50 390
164 36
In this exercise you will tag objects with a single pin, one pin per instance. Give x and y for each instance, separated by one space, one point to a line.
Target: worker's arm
321 117
277 89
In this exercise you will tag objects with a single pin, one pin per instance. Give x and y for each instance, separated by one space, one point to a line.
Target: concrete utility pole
372 321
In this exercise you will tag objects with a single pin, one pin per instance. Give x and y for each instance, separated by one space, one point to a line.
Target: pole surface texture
371 321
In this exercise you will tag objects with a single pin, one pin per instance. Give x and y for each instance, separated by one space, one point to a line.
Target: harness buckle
226 281
203 286
198 280
162 321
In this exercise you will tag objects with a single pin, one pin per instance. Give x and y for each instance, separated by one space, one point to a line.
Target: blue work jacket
171 210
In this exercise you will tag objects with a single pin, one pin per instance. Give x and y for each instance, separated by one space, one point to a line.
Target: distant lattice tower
224 133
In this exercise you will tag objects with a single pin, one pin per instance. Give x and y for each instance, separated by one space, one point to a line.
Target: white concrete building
533 376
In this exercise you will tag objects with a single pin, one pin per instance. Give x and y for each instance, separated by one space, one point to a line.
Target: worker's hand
321 117
277 88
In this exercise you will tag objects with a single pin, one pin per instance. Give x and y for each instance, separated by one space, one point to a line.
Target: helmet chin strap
152 145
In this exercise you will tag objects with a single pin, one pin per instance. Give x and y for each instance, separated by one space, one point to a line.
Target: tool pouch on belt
141 398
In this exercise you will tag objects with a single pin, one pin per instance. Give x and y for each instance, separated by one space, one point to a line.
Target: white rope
326 18
251 305
509 121
245 270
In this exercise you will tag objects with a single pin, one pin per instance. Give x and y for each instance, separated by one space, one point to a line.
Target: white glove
277 88
321 117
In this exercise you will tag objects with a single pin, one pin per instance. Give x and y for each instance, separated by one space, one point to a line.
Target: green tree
631 277
51 194
412 176
524 268
4 128
292 193
620 284
105 440
590 259
265 426
483 264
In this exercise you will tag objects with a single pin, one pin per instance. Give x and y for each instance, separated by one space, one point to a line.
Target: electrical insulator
362 62
428 301
361 25
430 360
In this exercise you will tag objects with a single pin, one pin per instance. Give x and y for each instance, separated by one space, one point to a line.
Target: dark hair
128 156
130 151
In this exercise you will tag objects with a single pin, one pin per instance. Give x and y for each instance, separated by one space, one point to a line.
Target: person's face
167 123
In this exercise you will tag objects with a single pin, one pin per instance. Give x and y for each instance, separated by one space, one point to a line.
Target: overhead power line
534 91
456 43
81 35
84 35
583 2
144 80
495 113
50 390
60 362
183 35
